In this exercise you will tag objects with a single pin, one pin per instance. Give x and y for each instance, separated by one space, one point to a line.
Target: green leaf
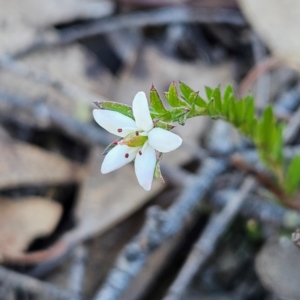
239 112
231 110
211 108
165 117
293 175
185 90
216 95
180 114
227 101
156 102
228 92
190 96
164 125
266 128
114 106
249 108
173 99
209 93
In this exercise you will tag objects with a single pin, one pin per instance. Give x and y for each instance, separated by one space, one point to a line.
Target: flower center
134 139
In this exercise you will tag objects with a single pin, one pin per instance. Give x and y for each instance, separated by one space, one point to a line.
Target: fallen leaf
23 22
73 65
278 267
277 24
23 220
22 164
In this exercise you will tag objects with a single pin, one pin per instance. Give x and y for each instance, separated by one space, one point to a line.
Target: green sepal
157 172
111 146
163 125
118 107
292 179
156 102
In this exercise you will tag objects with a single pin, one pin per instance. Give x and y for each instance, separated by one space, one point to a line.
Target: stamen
137 133
120 130
126 155
140 152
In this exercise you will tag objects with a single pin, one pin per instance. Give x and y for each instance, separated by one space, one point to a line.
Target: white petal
144 166
163 140
116 158
112 121
141 112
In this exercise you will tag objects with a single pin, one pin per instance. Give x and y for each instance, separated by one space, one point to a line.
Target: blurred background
63 225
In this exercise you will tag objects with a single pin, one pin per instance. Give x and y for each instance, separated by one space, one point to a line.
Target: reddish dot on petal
126 155
140 152
115 143
120 130
137 133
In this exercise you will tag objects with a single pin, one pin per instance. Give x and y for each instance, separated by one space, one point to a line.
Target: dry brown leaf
70 64
22 22
278 24
105 200
23 220
278 267
22 164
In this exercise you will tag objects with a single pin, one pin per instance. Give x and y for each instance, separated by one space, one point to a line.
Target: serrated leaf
228 99
228 92
180 114
164 125
200 102
191 96
216 95
156 102
249 108
185 90
231 109
118 107
267 128
211 108
173 99
209 93
293 175
165 117
277 144
239 112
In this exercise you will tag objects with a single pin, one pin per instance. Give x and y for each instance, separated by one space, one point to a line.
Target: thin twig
159 226
258 70
261 211
156 17
292 128
78 270
46 116
262 87
17 281
206 243
66 88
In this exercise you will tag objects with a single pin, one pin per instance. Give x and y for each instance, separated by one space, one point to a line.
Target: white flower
140 140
